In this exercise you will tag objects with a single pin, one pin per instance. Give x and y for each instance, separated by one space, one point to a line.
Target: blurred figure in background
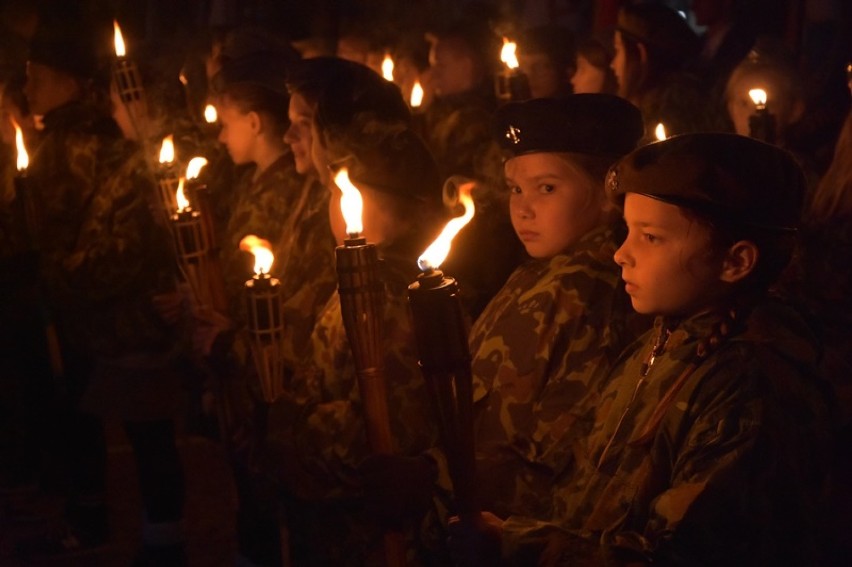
593 72
546 56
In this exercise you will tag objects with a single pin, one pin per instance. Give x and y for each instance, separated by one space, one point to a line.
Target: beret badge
612 180
513 134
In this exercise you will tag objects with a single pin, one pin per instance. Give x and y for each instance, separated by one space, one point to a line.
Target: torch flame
387 67
180 197
416 94
120 50
193 168
437 252
167 149
262 251
182 78
210 114
23 157
351 203
660 132
508 55
758 97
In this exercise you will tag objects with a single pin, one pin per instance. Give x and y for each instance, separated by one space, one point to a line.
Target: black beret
659 26
598 124
399 164
727 177
264 69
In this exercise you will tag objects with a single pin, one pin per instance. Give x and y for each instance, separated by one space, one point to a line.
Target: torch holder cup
128 81
511 85
192 252
761 126
441 332
266 332
167 184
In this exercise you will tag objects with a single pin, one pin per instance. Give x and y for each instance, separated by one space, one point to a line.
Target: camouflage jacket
709 448
305 265
541 352
102 254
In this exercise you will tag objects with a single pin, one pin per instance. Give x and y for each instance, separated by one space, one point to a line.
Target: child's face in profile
667 262
552 203
298 135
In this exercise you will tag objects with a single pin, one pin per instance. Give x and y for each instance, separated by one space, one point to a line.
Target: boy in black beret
710 441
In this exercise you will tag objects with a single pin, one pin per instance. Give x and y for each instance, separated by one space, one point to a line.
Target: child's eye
651 238
546 188
514 190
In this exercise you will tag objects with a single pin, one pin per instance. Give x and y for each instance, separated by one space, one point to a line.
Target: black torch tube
128 80
263 304
761 126
512 85
441 333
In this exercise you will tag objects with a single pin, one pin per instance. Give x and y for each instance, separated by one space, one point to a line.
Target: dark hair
775 248
599 56
271 105
347 97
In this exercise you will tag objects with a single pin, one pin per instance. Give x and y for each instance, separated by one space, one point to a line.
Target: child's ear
255 123
739 261
643 53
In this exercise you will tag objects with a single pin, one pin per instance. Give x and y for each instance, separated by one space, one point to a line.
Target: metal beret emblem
513 134
612 180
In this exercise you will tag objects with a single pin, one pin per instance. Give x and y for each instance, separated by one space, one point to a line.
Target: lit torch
192 246
761 124
211 120
198 194
442 334
510 83
660 132
264 322
167 176
24 197
362 298
125 71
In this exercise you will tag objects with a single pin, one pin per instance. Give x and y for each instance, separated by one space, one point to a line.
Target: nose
622 256
289 135
522 207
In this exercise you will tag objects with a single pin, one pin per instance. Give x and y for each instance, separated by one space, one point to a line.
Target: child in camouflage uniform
545 343
709 444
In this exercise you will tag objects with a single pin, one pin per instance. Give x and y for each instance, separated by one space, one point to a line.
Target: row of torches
439 324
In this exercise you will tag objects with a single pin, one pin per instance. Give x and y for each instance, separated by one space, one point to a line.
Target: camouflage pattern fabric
102 259
305 266
541 352
709 448
682 106
103 256
317 434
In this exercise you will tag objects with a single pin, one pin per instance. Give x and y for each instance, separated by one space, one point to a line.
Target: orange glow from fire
167 149
180 197
193 168
23 160
120 50
416 94
508 54
660 132
387 67
351 203
262 251
758 97
437 252
210 114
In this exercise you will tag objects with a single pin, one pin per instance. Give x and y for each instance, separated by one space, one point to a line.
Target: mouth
527 235
630 287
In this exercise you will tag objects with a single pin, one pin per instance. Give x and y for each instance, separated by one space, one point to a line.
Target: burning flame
120 50
182 78
416 94
23 157
351 203
758 97
660 132
437 252
387 67
167 149
508 55
210 114
262 251
180 197
193 168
